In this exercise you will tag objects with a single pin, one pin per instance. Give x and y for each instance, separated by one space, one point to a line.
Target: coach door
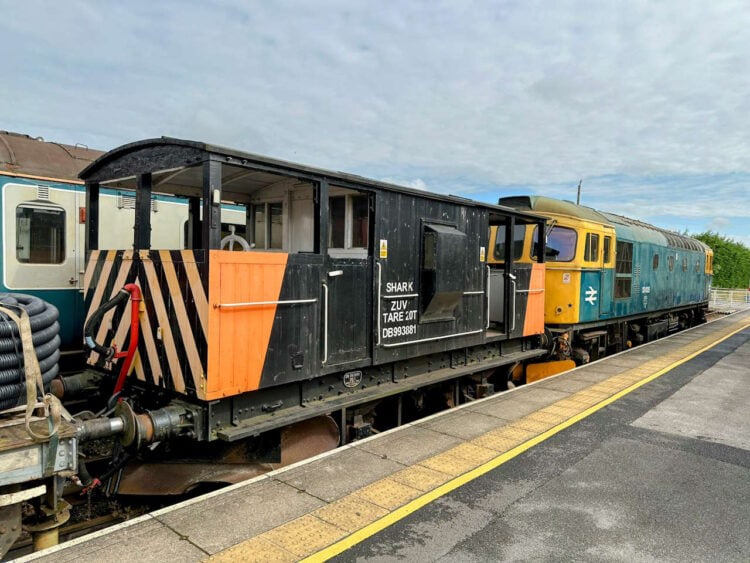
41 254
347 289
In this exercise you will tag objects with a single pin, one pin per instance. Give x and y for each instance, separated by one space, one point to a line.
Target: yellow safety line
414 505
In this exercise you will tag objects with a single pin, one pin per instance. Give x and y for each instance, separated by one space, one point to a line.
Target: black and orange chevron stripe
173 348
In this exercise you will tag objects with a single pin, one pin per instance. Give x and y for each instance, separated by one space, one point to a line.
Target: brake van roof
175 161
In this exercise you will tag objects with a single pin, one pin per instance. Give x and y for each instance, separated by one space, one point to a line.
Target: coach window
591 253
670 262
40 234
655 263
684 264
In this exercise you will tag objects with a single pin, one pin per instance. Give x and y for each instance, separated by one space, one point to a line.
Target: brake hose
129 291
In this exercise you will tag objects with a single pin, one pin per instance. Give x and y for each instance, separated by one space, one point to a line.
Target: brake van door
346 314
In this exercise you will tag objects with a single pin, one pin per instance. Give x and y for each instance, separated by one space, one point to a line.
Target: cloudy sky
647 102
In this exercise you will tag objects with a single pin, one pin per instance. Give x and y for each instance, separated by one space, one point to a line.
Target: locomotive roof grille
674 239
541 204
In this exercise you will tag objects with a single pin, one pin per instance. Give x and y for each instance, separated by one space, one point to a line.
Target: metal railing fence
729 299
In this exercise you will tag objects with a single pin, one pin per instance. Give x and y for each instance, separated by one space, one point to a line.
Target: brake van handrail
261 303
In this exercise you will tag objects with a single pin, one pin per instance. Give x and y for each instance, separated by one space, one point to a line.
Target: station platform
642 455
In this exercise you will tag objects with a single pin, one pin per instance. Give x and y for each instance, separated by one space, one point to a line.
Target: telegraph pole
578 197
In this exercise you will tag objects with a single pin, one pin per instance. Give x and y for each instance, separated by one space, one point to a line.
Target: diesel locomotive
613 282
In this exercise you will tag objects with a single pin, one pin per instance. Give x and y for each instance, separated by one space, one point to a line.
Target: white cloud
457 96
417 184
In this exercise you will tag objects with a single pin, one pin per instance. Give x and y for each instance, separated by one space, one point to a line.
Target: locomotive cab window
561 244
40 234
591 253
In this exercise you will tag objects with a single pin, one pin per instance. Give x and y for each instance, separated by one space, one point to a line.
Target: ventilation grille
42 192
125 201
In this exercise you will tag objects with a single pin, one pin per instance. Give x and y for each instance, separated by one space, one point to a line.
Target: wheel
231 238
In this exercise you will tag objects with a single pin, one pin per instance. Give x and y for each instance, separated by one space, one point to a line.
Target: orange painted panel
238 336
537 372
534 321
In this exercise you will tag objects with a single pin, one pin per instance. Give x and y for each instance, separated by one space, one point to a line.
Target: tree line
731 260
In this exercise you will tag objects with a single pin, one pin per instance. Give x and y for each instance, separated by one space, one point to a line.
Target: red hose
135 300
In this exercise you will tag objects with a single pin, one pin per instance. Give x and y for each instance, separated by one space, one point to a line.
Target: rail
729 299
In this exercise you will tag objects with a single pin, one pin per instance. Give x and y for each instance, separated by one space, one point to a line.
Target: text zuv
397 311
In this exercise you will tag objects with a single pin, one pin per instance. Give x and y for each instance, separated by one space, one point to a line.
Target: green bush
731 260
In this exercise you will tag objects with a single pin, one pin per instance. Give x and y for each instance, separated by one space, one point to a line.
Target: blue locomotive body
614 281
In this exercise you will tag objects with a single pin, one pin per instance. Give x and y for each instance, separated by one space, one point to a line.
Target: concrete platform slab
222 521
597 372
339 474
464 425
153 541
519 403
568 384
409 445
625 361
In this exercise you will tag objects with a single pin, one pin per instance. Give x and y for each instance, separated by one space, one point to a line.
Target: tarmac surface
642 456
662 474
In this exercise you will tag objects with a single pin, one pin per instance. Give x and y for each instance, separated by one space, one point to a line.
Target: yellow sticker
383 248
481 254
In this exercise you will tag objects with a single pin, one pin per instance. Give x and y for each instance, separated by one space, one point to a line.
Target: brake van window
519 231
40 235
